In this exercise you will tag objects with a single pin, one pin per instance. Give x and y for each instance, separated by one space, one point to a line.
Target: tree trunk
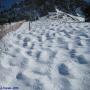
29 26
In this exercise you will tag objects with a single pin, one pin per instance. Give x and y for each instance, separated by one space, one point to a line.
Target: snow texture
52 56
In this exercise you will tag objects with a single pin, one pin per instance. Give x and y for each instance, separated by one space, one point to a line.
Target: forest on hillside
32 9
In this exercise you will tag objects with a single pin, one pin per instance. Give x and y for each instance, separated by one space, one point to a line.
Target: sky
7 3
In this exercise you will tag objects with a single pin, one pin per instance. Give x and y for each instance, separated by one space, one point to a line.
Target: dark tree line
32 9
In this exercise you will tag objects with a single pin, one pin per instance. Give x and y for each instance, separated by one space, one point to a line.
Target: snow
52 56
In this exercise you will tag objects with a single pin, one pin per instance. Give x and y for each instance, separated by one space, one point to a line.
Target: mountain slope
51 56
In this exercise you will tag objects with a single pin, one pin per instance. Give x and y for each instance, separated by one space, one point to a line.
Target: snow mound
64 17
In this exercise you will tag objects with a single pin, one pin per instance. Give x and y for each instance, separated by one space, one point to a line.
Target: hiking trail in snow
52 56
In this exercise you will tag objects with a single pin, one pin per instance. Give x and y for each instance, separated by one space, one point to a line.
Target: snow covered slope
52 56
65 17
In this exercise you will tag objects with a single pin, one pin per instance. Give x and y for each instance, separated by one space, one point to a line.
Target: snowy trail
52 56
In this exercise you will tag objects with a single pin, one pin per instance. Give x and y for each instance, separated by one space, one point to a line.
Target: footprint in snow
38 55
38 85
88 45
32 46
81 59
26 40
88 42
24 63
86 26
72 53
34 84
25 44
29 52
23 78
83 34
19 36
16 51
39 39
66 34
65 84
78 41
46 56
62 43
63 70
52 29
48 36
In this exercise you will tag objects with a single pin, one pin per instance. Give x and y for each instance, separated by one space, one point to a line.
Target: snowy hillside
51 56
